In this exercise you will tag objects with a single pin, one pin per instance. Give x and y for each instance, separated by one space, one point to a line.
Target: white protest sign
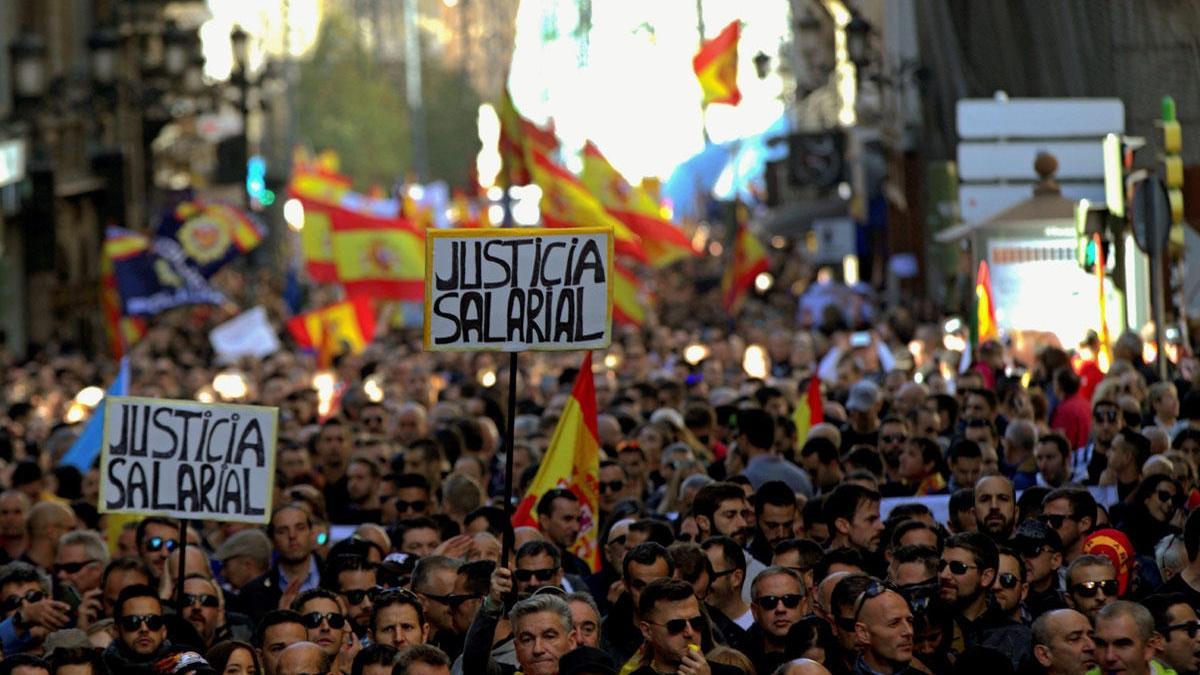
247 334
518 289
187 460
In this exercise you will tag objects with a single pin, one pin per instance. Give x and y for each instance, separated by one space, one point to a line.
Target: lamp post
239 40
29 70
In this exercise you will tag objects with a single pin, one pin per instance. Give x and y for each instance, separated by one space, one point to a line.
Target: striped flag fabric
809 410
343 327
572 461
748 260
377 256
716 66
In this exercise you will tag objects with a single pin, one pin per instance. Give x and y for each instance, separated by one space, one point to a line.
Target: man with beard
1175 620
893 436
1071 512
1091 584
1011 585
967 572
779 601
204 611
1062 643
995 507
729 612
362 492
1088 462
141 633
296 569
852 513
398 619
722 509
353 578
883 624
775 516
673 626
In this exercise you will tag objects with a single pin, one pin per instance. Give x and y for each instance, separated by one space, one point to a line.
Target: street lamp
104 43
176 50
762 64
858 34
29 68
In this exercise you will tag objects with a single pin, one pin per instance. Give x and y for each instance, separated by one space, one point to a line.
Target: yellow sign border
274 442
511 232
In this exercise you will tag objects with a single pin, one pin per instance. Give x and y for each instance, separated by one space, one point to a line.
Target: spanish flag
749 259
1105 357
378 257
716 67
567 203
628 307
344 327
662 241
984 327
572 461
809 411
318 191
518 135
122 331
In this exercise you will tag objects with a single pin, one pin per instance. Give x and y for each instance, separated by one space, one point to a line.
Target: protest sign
518 289
247 334
187 460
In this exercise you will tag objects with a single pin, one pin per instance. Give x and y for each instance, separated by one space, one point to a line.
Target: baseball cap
1032 533
1114 545
180 663
250 543
587 661
863 396
67 638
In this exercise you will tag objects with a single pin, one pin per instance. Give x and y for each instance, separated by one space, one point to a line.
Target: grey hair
1022 433
1170 555
585 598
428 565
1088 561
695 481
1140 615
776 570
535 604
93 546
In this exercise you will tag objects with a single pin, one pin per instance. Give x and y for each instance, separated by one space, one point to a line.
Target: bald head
525 534
909 397
303 658
802 667
609 430
825 593
50 514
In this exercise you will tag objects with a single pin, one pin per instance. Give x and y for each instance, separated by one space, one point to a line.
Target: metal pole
412 82
180 602
509 439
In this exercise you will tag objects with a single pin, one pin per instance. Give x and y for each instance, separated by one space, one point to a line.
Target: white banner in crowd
183 459
939 505
247 334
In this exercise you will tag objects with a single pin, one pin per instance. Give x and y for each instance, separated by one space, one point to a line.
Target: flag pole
509 440
180 601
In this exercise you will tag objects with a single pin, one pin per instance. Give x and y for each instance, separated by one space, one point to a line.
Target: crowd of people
1027 514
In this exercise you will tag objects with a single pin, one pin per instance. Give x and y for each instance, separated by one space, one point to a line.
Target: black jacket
262 595
120 660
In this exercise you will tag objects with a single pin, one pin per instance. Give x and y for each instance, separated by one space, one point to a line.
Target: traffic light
1172 161
256 183
1090 221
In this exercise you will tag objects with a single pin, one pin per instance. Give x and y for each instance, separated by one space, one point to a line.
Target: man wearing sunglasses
674 628
1071 512
1011 587
1088 462
80 564
433 581
324 619
728 610
779 601
156 539
353 578
141 632
1175 620
538 565
405 495
967 572
1041 549
29 613
1091 584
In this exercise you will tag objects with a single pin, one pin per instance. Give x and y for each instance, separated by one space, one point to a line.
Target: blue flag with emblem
210 234
154 276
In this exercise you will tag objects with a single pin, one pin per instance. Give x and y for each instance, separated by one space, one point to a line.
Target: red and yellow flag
632 205
572 461
627 297
716 67
344 327
749 259
567 203
122 331
810 410
517 136
318 191
986 327
378 257
1104 357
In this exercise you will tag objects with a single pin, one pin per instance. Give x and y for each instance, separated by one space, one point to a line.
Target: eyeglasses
1008 580
14 602
440 599
454 601
525 576
612 485
1191 627
313 620
72 567
770 602
1088 589
1055 521
356 596
1168 497
875 590
893 438
202 599
1105 415
154 544
134 621
405 506
717 575
957 567
1032 549
677 626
